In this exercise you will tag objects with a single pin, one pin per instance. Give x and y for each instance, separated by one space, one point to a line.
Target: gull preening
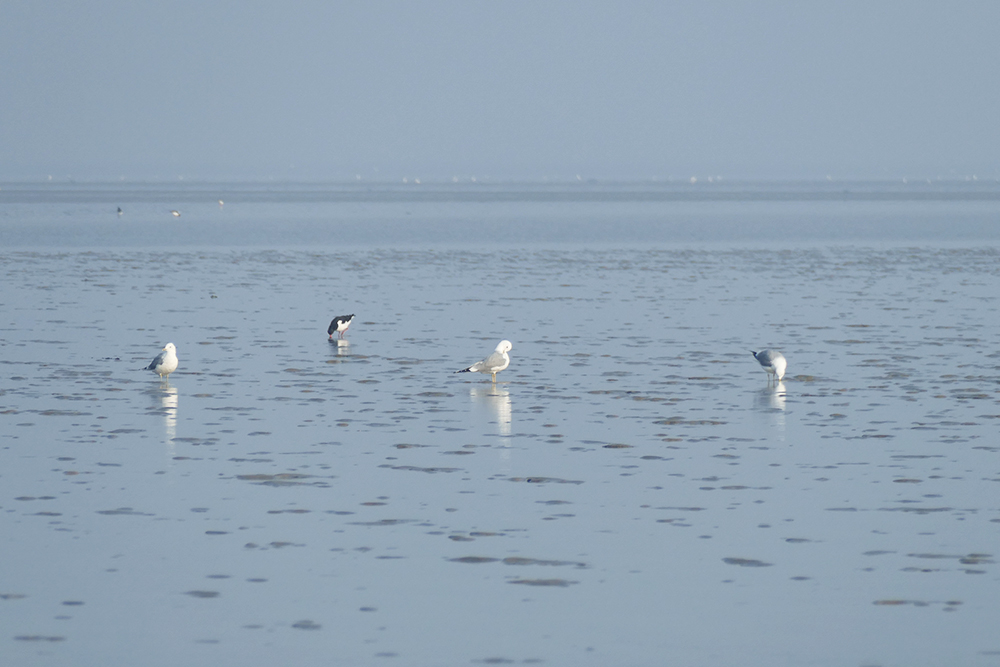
339 325
165 362
494 363
773 362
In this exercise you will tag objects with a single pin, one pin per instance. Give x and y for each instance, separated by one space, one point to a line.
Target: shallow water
631 491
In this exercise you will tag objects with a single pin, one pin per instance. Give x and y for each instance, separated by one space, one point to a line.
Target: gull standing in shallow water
494 363
165 362
771 361
339 325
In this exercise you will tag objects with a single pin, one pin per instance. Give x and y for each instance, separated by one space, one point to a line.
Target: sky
304 90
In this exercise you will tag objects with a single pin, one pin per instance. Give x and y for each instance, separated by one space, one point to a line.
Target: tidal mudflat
630 491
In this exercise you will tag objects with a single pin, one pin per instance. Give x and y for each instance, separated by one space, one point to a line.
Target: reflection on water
168 406
771 400
494 401
772 397
345 481
340 346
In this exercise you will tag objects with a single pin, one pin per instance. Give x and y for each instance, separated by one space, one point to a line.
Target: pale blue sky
317 90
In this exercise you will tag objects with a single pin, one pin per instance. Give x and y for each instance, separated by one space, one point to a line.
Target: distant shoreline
609 192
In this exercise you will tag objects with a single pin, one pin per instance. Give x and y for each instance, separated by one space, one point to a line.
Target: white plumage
494 363
165 362
772 361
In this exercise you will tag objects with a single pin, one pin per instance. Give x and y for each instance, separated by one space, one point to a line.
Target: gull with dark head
494 363
339 325
165 362
773 362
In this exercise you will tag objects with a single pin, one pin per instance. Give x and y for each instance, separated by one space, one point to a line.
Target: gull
176 214
771 361
165 362
339 325
494 363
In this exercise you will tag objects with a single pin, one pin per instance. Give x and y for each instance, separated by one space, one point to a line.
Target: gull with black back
339 325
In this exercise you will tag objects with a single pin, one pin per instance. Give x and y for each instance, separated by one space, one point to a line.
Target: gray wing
156 361
768 357
495 360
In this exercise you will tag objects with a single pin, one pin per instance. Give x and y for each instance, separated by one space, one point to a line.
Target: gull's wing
157 361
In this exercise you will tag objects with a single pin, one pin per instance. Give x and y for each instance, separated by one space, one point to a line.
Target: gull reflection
168 408
492 403
771 400
340 346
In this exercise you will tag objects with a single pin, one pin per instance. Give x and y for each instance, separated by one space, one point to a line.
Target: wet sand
631 491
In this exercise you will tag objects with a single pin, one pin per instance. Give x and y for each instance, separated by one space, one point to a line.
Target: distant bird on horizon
221 203
773 362
339 325
494 363
176 214
165 362
120 211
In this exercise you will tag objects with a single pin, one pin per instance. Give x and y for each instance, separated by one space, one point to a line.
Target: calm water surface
630 492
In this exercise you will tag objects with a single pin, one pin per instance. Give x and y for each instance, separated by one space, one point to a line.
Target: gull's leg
494 378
